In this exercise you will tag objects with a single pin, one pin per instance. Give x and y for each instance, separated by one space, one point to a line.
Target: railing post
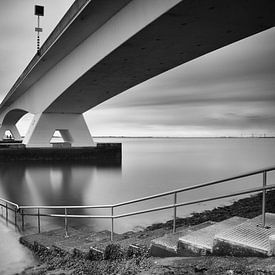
175 212
15 218
38 219
264 199
22 219
112 224
7 213
66 224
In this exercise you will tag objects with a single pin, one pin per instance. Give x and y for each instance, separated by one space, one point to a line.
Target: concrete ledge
271 241
103 153
225 248
166 246
200 242
157 250
247 239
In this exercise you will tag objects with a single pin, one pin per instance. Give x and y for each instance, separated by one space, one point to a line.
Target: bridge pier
72 128
12 128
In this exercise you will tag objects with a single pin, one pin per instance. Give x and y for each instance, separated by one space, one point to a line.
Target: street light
39 11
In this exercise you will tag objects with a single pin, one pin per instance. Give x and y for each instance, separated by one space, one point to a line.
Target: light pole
39 11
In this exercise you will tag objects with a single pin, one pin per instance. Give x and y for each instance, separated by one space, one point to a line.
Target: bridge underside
185 32
93 71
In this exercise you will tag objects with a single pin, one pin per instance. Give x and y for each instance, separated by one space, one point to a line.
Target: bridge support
12 128
72 128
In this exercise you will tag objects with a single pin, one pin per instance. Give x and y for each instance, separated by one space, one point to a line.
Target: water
149 166
13 256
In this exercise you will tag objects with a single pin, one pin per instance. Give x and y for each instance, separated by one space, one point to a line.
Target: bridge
102 48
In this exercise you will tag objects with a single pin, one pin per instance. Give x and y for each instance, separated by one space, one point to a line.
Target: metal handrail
189 188
264 188
10 202
246 191
65 206
7 205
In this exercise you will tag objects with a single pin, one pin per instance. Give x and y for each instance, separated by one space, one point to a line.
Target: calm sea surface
149 166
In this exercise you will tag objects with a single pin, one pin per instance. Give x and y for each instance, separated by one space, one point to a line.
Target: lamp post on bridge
39 11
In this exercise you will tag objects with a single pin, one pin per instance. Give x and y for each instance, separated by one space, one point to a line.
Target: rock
113 252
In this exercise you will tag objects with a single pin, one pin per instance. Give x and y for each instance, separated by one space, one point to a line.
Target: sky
229 92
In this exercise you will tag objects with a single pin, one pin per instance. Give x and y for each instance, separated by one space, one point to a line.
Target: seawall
103 153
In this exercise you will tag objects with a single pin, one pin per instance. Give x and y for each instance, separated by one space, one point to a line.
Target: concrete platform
166 246
11 144
47 239
103 153
247 239
201 241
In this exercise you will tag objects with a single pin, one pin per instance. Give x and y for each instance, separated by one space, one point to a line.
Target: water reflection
149 166
65 183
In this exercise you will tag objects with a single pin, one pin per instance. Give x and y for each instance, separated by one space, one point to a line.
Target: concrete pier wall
103 153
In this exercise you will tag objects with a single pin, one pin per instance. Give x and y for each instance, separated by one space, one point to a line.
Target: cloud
231 90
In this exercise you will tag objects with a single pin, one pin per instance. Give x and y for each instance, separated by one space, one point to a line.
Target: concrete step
85 243
166 246
80 244
135 244
47 239
248 238
201 242
77 243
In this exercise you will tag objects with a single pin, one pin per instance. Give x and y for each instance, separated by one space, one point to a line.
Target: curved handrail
10 202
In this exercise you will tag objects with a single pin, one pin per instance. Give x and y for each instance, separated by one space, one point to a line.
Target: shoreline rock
249 207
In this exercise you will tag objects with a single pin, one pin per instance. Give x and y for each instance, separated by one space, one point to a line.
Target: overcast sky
227 92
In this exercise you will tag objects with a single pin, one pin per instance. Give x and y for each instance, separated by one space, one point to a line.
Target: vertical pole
22 218
264 199
38 38
15 218
175 212
7 213
38 219
112 224
66 224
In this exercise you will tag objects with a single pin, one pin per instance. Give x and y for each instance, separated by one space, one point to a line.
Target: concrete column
72 128
12 128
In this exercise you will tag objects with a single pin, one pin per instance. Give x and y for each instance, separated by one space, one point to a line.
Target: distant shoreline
159 137
256 137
